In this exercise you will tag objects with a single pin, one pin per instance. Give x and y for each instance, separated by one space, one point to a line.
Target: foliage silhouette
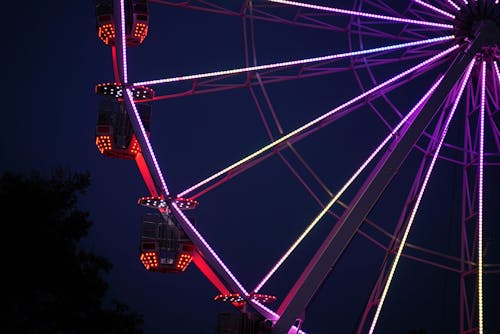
53 285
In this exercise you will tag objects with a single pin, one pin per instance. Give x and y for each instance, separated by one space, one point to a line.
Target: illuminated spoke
497 71
363 14
345 186
419 198
480 198
294 62
123 41
319 119
435 9
453 4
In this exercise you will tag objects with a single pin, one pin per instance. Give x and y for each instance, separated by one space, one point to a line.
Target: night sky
54 59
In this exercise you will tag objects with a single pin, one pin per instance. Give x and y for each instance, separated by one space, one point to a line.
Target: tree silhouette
52 285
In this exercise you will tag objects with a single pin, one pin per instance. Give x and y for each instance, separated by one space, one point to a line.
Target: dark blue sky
55 59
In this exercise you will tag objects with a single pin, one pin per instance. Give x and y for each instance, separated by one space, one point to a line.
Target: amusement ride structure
446 51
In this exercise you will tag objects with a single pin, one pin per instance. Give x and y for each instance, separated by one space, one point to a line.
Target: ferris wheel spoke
218 84
419 197
453 4
335 198
306 20
435 9
481 199
323 118
363 14
293 62
198 5
497 70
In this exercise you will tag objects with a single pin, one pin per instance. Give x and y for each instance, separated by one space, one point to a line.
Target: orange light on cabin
149 260
184 261
141 31
106 33
103 143
134 147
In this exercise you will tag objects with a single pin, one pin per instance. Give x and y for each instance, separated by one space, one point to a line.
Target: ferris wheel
415 87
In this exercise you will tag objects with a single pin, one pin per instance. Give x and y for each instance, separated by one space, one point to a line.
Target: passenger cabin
114 135
136 21
164 245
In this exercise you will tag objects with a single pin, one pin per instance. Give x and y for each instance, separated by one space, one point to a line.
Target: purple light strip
419 197
293 62
495 65
319 119
241 289
437 10
345 186
123 41
457 7
149 148
481 190
363 14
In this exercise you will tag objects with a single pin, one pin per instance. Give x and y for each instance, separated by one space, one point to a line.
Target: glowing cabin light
141 31
237 298
114 89
183 261
362 14
481 199
134 147
136 21
103 143
106 33
149 260
454 5
419 197
435 9
319 119
154 202
164 246
114 135
294 62
345 186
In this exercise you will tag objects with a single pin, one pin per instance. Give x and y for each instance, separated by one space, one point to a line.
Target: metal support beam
340 236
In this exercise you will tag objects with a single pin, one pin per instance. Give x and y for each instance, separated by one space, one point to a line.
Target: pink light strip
319 119
123 41
242 290
480 207
495 65
437 10
457 7
148 143
293 62
419 198
363 14
346 185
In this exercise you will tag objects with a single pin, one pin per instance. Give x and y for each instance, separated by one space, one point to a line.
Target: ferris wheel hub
475 14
